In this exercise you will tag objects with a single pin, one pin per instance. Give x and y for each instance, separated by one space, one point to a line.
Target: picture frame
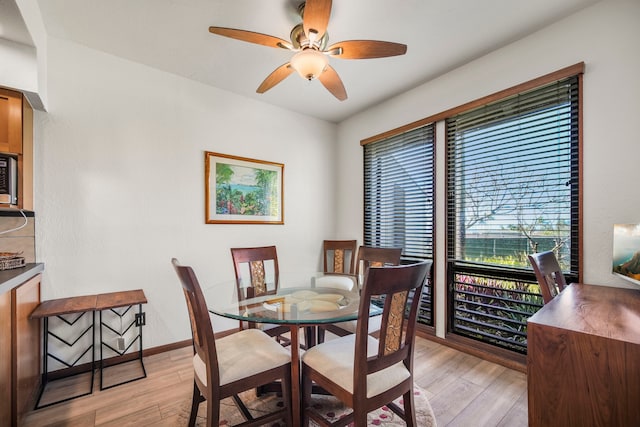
240 190
626 252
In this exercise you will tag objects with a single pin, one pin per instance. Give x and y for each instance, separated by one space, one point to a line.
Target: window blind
513 178
398 192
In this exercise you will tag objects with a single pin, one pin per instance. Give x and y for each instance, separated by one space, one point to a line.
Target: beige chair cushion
336 281
374 325
334 360
244 354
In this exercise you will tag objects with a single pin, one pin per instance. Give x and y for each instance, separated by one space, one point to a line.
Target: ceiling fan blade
278 75
366 49
316 17
251 37
330 79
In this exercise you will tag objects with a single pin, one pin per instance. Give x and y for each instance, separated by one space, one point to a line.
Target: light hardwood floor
462 389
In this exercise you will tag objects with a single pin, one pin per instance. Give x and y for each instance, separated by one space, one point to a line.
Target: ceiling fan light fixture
309 63
309 39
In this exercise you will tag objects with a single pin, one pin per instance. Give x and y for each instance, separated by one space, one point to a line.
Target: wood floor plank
453 399
483 373
145 417
85 420
429 362
52 419
517 415
122 409
448 370
173 407
491 405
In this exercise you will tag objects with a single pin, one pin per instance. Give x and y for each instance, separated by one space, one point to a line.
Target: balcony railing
425 311
492 304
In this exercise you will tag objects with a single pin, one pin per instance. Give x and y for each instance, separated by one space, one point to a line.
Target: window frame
457 270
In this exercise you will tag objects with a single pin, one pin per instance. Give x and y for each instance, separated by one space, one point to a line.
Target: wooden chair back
340 256
400 287
256 263
204 343
375 257
548 274
257 273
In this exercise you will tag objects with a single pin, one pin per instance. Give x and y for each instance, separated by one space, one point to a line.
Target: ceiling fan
309 39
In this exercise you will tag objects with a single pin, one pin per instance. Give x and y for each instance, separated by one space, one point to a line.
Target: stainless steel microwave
8 179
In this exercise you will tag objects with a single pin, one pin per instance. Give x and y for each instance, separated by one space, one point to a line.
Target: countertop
10 279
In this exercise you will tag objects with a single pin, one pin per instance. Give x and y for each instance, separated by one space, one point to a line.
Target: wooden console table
83 305
87 305
583 361
111 301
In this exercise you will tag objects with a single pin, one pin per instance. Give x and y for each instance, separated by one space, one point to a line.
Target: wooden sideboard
583 361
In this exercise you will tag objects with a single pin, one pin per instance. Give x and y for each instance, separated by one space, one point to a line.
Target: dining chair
227 366
257 273
363 372
368 256
340 256
339 272
339 264
548 274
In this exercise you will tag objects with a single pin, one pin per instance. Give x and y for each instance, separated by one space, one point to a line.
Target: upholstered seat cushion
334 359
374 325
244 354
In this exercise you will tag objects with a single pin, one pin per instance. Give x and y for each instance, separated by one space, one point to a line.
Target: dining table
300 300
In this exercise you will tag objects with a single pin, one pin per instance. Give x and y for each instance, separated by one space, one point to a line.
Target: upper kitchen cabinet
10 121
16 139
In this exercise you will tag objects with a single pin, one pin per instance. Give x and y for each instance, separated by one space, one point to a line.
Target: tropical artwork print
242 190
626 251
239 190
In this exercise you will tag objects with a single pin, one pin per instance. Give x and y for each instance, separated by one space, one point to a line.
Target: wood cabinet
26 346
10 121
16 139
20 350
6 358
583 361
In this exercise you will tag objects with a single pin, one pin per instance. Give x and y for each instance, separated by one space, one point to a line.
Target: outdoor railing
492 305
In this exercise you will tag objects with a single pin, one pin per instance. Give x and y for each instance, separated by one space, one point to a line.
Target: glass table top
307 299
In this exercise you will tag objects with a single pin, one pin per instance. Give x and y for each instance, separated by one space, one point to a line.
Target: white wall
119 182
604 36
19 68
24 67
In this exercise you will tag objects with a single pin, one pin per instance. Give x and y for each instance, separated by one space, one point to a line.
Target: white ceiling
172 35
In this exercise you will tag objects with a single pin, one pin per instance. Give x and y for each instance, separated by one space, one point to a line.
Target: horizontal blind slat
511 170
398 192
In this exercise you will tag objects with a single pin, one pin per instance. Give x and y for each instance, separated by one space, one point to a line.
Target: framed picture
239 190
626 252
